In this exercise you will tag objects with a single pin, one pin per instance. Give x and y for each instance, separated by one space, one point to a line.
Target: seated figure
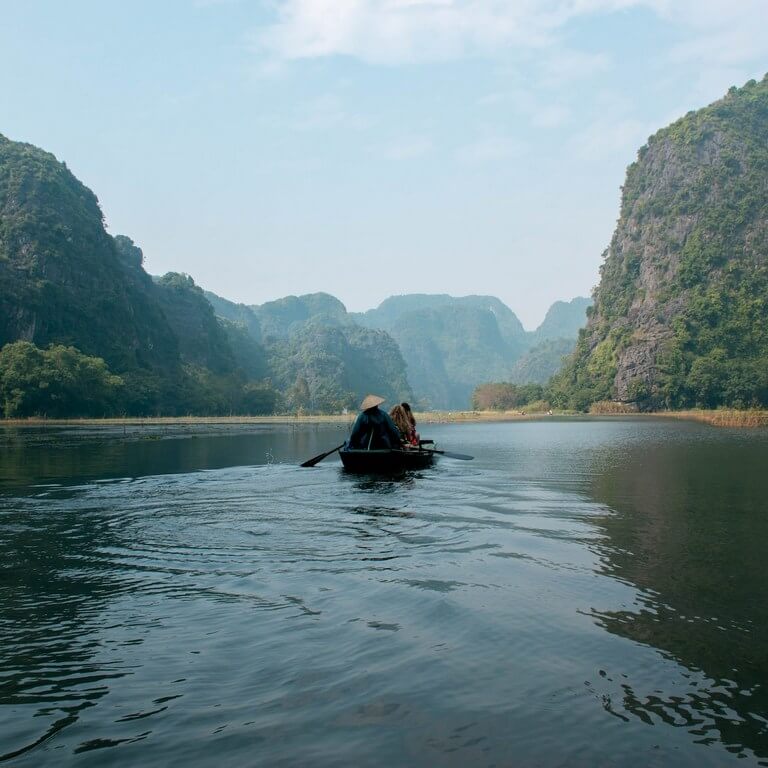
373 429
405 425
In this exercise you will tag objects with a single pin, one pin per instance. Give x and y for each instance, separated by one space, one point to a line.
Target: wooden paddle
318 459
449 454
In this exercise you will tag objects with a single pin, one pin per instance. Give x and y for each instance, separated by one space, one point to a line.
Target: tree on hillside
503 396
56 382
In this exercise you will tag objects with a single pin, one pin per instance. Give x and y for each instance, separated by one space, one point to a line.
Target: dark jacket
374 429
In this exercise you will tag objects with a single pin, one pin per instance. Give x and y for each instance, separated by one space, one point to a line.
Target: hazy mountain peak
564 319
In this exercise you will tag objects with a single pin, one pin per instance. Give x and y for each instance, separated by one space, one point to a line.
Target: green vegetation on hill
283 317
453 344
326 369
61 277
391 311
681 313
540 363
318 358
503 396
164 347
564 320
65 282
202 339
240 314
57 382
450 344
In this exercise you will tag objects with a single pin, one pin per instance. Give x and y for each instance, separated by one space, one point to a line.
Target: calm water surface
585 593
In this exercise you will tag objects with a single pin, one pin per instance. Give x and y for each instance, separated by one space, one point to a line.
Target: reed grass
753 417
719 418
610 407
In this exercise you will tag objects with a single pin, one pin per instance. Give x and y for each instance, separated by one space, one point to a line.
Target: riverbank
425 417
723 418
718 418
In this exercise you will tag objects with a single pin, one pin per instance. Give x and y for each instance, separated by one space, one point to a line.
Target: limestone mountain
315 353
329 368
202 339
681 312
541 362
552 342
392 310
450 344
281 318
241 314
65 281
564 320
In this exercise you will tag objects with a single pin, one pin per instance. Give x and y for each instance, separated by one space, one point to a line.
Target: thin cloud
400 31
395 31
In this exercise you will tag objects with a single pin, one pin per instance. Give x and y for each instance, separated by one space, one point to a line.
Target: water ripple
500 612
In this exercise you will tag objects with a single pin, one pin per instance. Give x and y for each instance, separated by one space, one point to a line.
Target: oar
318 459
449 454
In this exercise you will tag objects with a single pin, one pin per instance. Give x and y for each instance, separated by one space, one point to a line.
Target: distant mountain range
449 344
680 316
453 344
171 348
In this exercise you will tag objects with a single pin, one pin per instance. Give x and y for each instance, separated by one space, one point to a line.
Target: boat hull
385 462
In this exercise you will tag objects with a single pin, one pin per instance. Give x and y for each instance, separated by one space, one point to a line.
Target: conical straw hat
371 401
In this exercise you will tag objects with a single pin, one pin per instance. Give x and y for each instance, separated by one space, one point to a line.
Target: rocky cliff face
63 279
450 344
681 312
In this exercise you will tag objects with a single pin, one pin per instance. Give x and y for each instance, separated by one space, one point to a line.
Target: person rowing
376 444
373 429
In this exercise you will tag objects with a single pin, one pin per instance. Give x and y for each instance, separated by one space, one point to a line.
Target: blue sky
367 147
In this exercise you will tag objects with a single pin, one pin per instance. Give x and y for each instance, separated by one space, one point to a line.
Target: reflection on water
691 536
35 455
584 593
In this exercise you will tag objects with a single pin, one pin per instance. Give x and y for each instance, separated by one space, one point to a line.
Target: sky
367 148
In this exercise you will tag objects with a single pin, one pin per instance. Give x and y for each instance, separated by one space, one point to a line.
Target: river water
584 593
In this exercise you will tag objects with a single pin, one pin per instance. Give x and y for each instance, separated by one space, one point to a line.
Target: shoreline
718 418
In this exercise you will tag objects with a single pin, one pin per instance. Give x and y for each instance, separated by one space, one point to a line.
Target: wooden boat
385 461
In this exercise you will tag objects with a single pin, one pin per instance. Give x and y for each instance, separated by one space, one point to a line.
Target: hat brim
371 401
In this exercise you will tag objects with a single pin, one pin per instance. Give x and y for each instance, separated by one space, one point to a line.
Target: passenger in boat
373 429
405 423
415 435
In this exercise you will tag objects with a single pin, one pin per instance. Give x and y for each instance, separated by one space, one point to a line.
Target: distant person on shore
412 419
373 428
403 418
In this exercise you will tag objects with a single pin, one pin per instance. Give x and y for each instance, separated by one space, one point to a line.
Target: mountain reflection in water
690 534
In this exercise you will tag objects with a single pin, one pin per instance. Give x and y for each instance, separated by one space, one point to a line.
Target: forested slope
137 347
681 312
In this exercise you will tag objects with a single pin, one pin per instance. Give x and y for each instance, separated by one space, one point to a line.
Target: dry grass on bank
719 418
425 417
753 417
449 417
610 408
